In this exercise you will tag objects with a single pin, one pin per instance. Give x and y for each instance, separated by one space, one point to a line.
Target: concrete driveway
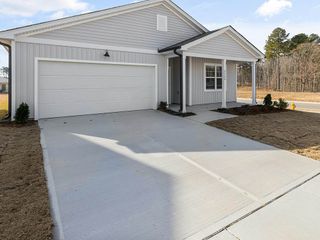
148 175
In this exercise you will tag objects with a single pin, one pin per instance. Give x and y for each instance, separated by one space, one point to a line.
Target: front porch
203 69
206 82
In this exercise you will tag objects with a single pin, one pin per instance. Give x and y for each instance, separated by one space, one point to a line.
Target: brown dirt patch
24 204
245 92
295 131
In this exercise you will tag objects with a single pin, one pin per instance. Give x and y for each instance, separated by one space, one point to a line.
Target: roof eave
97 14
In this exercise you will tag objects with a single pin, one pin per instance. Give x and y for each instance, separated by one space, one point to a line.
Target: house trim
205 77
97 15
245 43
209 56
36 76
84 45
190 81
13 79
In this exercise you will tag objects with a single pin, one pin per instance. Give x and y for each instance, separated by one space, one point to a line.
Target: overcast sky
255 19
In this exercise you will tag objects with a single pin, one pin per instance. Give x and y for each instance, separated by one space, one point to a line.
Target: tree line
291 64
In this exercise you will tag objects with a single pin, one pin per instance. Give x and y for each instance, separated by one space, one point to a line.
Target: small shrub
276 104
283 104
163 106
267 100
22 113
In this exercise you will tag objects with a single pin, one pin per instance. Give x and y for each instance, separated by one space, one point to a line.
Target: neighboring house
3 85
122 59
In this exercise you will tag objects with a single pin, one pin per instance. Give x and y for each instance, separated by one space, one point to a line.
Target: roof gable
137 29
93 16
214 38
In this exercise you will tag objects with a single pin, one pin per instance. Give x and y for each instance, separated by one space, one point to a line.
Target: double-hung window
213 77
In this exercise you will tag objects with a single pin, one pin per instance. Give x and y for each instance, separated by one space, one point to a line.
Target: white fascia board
80 19
204 39
86 20
199 55
245 46
84 45
187 16
83 17
248 46
247 43
6 36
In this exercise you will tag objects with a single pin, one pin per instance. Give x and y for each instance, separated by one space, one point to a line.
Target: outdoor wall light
107 54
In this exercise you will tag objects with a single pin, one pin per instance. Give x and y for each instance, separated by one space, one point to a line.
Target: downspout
181 78
9 77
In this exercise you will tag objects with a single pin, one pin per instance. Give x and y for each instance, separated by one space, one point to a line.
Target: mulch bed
249 110
24 203
179 114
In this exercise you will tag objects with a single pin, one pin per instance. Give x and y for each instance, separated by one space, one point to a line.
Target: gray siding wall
26 53
136 29
199 96
222 45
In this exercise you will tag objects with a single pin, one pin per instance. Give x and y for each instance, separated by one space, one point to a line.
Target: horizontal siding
199 96
26 53
222 45
136 29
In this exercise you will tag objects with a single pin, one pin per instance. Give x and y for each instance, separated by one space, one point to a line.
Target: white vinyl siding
136 29
223 46
79 88
25 58
199 96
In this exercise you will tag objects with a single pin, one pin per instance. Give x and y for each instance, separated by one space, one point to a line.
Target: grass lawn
294 131
24 204
3 105
245 92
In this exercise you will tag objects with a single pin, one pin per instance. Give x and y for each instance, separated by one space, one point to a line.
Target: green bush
283 104
22 113
267 100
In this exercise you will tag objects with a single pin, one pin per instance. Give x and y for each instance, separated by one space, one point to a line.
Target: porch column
224 84
253 67
184 85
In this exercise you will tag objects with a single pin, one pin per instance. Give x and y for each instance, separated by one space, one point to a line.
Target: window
213 77
162 23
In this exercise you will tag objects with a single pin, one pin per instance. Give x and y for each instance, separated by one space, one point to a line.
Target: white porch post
190 81
184 87
253 66
224 84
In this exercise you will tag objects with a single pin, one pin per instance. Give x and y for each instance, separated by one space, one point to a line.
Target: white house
125 58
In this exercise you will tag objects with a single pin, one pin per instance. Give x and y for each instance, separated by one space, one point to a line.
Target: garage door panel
74 109
53 69
76 82
82 95
67 89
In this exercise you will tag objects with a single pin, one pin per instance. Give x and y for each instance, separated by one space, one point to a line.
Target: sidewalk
295 216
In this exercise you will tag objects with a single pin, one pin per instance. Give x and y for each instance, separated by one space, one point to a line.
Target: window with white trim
213 77
162 23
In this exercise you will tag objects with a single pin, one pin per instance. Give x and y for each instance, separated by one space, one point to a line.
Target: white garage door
70 88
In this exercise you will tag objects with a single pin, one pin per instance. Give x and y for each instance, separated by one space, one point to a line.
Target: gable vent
162 23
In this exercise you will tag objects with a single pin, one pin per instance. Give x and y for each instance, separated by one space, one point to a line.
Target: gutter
181 80
9 77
